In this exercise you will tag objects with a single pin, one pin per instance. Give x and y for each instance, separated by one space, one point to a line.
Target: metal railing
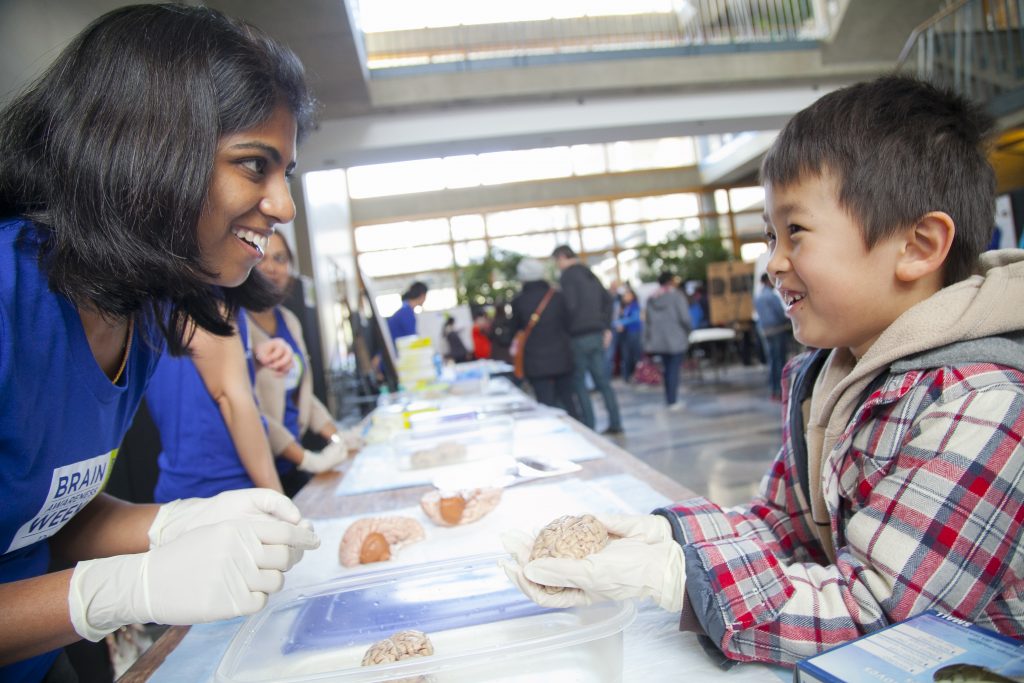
694 24
975 47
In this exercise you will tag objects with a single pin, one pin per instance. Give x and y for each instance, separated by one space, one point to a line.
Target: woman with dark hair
287 403
143 174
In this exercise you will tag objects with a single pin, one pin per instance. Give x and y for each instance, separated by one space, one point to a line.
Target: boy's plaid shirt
926 494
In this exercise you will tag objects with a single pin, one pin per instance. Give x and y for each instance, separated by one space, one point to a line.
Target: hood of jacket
935 331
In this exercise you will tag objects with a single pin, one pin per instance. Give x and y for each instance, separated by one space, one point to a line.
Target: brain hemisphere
373 539
401 645
569 536
462 507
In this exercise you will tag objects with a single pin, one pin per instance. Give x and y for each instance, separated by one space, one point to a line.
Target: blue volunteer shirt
61 418
403 322
199 458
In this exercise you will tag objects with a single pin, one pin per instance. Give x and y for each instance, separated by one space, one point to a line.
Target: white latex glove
349 438
213 572
332 455
644 562
275 354
180 516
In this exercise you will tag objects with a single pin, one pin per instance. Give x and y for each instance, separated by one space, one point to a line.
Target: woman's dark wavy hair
898 147
111 152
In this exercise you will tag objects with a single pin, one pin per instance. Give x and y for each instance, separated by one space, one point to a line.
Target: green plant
687 257
489 280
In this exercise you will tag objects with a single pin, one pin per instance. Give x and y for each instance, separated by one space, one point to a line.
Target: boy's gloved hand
644 562
332 455
180 516
213 572
351 439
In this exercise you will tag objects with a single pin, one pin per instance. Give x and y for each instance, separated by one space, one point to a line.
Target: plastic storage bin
481 626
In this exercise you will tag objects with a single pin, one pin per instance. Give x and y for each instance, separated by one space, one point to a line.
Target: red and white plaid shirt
926 491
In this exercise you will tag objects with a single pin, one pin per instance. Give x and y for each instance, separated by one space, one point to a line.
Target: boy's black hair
415 291
111 151
898 148
563 251
666 277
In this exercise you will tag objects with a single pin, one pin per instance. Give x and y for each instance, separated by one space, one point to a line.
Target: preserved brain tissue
373 539
569 536
401 645
460 507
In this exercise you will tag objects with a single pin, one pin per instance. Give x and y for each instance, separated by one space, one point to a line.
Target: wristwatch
335 438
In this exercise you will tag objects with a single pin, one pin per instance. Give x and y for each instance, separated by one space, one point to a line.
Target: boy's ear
927 244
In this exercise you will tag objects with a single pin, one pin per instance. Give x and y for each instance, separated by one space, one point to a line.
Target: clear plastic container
481 626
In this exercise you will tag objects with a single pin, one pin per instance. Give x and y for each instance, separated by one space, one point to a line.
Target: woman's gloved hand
332 455
181 516
351 439
213 572
642 560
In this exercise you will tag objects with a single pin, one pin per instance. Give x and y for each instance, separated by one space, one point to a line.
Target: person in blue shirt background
629 331
143 173
403 322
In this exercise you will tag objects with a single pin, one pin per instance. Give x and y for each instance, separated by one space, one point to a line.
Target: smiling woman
143 175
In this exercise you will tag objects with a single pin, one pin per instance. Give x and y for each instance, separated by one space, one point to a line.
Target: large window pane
538 246
746 198
536 219
588 159
595 213
405 234
403 177
529 164
470 252
461 171
415 260
644 154
597 239
468 227
749 224
631 235
670 206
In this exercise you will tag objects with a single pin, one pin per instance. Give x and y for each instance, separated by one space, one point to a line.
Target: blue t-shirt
61 418
291 384
403 322
199 458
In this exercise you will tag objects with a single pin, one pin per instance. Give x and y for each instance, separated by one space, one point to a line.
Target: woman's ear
927 243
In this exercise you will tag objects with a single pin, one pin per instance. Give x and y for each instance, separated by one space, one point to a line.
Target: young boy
899 486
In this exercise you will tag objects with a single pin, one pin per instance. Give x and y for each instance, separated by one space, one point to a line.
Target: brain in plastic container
401 645
373 539
569 536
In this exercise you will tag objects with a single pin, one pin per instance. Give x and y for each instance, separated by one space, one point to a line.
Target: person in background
212 436
457 351
898 485
776 330
481 335
547 359
628 330
501 332
699 316
403 322
286 401
612 349
143 172
590 317
667 332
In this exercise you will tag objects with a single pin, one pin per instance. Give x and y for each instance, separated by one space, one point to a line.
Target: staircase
975 47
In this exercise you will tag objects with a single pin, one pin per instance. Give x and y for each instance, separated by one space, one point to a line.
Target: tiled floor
719 444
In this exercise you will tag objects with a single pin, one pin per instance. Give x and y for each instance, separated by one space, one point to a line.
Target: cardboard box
730 292
928 647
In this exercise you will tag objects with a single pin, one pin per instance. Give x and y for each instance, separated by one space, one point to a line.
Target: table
319 500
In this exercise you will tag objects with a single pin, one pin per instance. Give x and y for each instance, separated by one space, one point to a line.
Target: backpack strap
803 386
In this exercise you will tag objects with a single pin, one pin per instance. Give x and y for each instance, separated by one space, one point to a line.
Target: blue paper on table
478 596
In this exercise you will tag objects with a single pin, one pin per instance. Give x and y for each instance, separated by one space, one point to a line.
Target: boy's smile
837 292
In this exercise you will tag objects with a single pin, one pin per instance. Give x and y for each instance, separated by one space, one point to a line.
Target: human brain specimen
401 645
459 507
373 539
569 536
444 453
